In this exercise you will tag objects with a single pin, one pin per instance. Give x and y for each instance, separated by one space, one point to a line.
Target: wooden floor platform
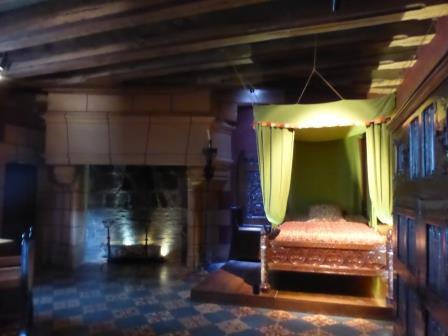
237 283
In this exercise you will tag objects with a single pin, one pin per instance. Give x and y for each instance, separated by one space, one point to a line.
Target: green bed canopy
278 126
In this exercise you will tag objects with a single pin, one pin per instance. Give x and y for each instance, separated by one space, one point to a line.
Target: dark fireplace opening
145 209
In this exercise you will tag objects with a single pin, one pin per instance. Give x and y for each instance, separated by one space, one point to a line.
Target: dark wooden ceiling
362 48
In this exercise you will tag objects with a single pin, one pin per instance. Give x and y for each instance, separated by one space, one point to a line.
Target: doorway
19 203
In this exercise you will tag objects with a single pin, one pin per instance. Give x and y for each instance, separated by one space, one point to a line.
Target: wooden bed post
390 266
264 276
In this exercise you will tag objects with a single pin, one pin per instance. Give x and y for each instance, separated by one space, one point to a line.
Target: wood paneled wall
421 232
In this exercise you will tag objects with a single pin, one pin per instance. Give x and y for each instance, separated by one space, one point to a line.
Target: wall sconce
4 62
209 153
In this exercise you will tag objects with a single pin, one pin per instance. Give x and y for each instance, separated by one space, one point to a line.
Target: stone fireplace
85 131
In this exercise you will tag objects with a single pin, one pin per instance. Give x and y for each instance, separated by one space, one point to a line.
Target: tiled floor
154 300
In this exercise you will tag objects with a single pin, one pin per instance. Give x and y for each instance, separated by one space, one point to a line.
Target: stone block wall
61 222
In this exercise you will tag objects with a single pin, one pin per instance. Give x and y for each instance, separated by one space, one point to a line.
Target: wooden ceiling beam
361 74
147 73
53 14
235 37
358 74
404 35
213 59
374 85
130 39
300 68
381 49
9 5
324 63
222 58
110 23
340 82
280 50
298 79
348 89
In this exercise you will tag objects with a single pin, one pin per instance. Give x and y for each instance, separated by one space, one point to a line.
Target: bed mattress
340 234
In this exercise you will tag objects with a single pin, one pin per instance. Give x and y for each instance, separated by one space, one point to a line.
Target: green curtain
327 172
351 113
275 155
379 173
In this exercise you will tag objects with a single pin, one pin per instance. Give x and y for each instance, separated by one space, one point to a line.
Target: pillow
325 212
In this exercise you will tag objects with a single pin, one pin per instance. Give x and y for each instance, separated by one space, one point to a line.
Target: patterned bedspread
339 234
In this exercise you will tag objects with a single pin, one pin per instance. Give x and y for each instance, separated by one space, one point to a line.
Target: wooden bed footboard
374 262
264 275
390 266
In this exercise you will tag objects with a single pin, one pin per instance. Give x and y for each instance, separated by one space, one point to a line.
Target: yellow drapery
319 122
380 173
275 154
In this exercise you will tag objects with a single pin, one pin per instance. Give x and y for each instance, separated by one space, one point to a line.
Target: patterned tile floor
154 300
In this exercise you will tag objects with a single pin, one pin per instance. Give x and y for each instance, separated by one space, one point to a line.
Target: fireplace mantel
132 130
91 128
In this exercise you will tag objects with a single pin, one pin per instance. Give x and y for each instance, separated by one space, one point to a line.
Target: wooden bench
9 264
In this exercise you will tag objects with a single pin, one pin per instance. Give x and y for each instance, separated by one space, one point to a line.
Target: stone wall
61 210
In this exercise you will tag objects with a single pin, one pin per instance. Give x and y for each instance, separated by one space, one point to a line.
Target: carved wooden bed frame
342 261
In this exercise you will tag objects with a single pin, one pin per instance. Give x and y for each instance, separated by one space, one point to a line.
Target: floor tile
125 300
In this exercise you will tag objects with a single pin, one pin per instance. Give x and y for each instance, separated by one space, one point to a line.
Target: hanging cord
315 71
148 129
248 87
68 138
329 85
109 137
190 124
306 84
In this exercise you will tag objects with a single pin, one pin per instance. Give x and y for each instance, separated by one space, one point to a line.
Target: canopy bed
293 173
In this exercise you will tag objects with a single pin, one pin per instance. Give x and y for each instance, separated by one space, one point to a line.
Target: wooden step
9 277
8 247
9 261
237 282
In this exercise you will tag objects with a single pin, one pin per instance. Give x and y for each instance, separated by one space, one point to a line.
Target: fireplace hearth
136 213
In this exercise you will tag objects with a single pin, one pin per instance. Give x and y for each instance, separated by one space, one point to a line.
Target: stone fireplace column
64 219
208 215
195 215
